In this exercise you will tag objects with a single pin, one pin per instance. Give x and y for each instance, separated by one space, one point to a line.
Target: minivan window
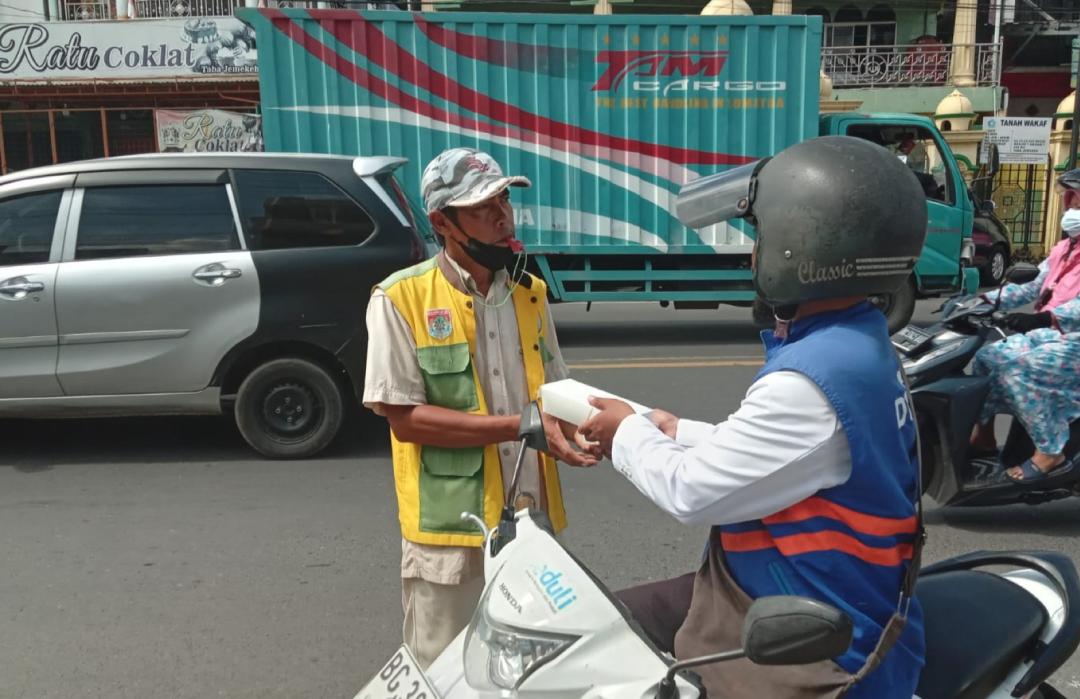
27 223
144 220
283 209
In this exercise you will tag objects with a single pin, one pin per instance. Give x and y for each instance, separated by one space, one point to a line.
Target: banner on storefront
208 131
143 49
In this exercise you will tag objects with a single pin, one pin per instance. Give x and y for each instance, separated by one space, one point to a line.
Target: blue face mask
1070 223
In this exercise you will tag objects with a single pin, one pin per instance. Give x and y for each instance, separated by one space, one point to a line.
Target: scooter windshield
618 604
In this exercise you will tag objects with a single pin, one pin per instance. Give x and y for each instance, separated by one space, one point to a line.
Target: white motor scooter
547 628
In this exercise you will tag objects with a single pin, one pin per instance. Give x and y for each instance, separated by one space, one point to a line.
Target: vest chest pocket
448 376
451 482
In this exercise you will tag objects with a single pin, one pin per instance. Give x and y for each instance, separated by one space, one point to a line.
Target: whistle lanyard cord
515 277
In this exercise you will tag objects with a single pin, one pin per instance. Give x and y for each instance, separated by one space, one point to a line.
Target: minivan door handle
215 274
18 288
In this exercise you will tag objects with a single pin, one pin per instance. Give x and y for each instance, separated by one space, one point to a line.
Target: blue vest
849 545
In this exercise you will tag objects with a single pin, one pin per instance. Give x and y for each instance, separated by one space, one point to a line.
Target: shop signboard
208 131
132 50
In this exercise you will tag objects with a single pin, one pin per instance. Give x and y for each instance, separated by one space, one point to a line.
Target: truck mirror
993 162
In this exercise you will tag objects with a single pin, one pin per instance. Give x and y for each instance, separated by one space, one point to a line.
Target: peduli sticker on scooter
557 592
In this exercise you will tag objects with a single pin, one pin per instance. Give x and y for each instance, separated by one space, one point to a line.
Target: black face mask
493 257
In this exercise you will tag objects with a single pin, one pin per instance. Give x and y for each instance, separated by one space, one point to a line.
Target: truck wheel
289 408
897 306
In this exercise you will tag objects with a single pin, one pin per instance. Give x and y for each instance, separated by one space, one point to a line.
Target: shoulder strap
907 591
898 621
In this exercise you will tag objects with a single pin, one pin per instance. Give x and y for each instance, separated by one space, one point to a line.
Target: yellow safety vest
436 484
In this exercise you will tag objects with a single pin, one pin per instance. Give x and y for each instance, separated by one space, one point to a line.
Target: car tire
897 306
289 408
996 263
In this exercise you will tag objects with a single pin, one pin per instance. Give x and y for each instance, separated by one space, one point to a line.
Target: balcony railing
85 10
1043 12
898 66
208 8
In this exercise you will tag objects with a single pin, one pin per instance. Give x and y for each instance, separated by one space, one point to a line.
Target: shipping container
607 115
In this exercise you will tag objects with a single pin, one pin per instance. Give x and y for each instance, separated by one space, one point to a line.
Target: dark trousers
660 607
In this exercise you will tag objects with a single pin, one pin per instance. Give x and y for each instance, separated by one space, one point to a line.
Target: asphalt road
157 557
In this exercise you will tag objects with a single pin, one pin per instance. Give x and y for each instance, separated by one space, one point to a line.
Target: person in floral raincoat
1036 372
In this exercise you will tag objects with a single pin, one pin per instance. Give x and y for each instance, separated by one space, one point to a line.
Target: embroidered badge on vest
439 325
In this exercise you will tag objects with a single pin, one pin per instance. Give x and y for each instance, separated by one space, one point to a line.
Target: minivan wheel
994 271
289 408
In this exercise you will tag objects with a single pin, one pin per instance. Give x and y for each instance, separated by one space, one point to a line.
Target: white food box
568 400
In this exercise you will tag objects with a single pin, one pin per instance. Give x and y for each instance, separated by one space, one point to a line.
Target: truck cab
945 263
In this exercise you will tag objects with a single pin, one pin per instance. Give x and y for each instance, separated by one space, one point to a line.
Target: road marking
679 358
666 363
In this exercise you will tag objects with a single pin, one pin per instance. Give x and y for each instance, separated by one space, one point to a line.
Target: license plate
399 678
911 339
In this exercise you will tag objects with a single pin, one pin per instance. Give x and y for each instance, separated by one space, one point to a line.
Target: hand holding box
568 400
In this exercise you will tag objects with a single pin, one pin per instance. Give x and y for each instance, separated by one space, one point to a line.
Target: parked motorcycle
947 402
546 627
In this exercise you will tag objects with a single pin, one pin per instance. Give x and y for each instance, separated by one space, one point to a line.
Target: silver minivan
198 284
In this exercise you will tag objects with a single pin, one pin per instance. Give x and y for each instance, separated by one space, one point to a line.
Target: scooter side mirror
531 429
1022 273
786 630
780 630
530 435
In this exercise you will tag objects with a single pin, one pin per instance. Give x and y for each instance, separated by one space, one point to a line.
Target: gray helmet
1070 179
835 216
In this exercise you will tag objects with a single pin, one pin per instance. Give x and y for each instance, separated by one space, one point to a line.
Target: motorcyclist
811 485
1036 372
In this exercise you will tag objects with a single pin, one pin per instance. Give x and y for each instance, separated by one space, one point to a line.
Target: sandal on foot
1032 473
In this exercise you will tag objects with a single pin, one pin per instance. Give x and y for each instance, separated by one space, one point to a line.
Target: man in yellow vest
458 346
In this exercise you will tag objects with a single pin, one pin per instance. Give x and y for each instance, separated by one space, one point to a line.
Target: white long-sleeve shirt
781 446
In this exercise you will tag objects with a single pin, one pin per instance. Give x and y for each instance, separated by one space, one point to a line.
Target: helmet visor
716 198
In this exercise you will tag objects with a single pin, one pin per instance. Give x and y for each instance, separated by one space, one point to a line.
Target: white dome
1064 114
727 7
1065 108
956 103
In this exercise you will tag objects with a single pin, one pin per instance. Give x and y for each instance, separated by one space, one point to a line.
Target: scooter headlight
499 656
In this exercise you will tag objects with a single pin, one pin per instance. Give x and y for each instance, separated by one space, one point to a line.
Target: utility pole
1076 115
999 59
